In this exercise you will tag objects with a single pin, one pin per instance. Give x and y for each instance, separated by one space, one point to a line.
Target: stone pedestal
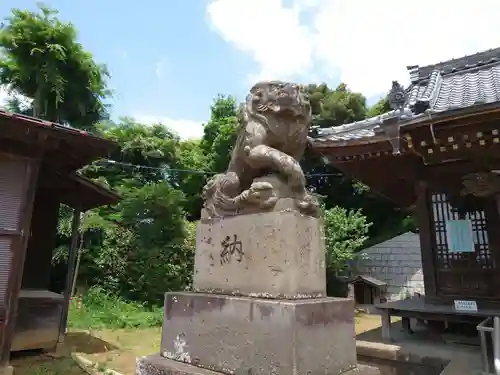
271 255
259 305
260 336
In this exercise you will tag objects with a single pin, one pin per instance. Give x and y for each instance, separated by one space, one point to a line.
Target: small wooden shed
367 290
38 171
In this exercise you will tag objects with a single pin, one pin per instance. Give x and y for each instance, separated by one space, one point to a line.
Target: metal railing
490 325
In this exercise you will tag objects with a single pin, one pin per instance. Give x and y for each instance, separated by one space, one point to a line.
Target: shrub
345 233
103 310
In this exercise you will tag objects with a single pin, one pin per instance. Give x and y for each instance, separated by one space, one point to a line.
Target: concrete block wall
398 262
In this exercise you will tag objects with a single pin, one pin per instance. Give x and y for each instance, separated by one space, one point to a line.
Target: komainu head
279 99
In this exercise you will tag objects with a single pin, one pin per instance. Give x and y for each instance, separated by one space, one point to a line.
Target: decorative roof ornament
397 99
397 96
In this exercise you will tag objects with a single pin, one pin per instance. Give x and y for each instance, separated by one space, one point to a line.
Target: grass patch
102 310
46 366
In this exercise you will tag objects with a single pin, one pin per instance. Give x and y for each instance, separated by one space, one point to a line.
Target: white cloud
161 67
264 28
186 129
367 43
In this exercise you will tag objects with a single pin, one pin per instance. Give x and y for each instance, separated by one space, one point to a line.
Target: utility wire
166 169
190 171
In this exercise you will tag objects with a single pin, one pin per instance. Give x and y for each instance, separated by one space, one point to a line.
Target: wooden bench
417 308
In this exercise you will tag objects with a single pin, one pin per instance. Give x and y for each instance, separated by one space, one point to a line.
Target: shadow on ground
374 334
36 362
83 342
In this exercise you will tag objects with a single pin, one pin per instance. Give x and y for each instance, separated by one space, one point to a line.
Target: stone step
157 365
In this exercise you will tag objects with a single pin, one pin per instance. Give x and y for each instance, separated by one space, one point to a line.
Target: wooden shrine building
367 290
38 164
437 153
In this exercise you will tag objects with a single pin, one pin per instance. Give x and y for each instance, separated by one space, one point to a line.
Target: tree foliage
140 248
336 107
42 60
220 133
379 108
345 233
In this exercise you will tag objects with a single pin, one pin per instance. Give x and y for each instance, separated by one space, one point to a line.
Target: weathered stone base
7 370
265 255
157 365
243 335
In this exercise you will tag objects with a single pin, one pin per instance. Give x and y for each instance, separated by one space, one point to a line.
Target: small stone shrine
259 304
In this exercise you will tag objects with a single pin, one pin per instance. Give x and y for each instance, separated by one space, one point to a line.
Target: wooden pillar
423 212
385 315
19 244
350 291
70 274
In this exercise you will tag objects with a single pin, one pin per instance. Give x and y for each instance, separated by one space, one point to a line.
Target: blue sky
169 59
163 58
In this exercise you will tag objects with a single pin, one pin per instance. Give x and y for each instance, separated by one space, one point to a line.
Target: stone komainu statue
271 140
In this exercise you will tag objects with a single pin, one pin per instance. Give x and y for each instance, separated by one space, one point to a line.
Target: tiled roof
469 88
456 84
358 130
455 65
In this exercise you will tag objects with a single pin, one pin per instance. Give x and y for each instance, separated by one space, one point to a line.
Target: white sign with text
465 305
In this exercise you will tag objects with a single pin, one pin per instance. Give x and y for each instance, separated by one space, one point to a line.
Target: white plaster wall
398 262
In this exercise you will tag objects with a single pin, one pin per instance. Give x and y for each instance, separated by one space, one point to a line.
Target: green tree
379 108
345 233
332 108
192 175
146 154
42 60
336 107
158 261
141 247
199 160
219 134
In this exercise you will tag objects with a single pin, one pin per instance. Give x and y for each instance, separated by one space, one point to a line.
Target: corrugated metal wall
12 175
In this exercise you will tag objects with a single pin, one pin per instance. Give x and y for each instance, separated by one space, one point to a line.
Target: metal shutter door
12 176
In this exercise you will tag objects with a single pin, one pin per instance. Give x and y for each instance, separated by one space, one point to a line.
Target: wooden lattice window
466 274
442 211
